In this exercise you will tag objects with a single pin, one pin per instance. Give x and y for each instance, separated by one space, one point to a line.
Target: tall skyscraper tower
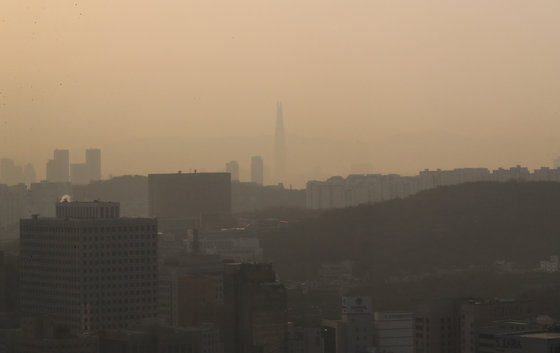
257 170
279 145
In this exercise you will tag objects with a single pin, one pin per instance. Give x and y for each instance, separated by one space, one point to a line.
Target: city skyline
402 86
279 176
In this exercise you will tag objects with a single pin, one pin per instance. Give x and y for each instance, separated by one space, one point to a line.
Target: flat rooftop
543 336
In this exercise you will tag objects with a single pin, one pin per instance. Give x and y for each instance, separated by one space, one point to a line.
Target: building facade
255 310
357 189
89 269
232 167
183 200
58 168
257 170
393 332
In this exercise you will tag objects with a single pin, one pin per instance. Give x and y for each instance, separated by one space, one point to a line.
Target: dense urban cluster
171 265
354 190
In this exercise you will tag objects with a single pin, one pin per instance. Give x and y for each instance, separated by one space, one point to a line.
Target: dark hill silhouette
447 227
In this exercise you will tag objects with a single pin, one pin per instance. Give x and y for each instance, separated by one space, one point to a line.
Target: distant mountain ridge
446 227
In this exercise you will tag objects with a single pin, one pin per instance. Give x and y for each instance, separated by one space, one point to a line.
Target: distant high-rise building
58 168
10 173
280 145
182 200
84 173
257 170
255 310
232 167
29 175
93 164
79 174
557 162
87 268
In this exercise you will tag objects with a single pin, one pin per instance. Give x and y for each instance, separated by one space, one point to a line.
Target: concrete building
477 313
182 201
339 192
457 325
93 164
257 170
191 290
29 175
42 335
10 173
14 205
9 290
255 310
79 174
353 333
248 197
393 332
304 339
333 334
494 336
545 342
232 167
44 196
162 339
58 168
3 289
87 268
236 245
84 173
437 327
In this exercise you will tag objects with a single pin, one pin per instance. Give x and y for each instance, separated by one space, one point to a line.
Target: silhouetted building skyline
257 170
29 174
13 174
84 173
58 168
10 174
357 189
93 163
183 200
232 167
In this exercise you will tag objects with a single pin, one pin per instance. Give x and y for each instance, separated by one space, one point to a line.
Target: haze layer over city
367 86
279 176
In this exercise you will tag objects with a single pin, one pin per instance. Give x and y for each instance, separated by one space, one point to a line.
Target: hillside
447 227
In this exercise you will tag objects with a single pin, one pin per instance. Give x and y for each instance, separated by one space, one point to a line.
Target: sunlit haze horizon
367 86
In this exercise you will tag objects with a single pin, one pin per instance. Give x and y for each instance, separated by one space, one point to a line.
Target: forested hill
446 227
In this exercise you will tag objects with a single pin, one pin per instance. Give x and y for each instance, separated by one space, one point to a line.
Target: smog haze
387 86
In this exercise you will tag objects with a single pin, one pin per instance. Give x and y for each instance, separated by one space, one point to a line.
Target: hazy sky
394 85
